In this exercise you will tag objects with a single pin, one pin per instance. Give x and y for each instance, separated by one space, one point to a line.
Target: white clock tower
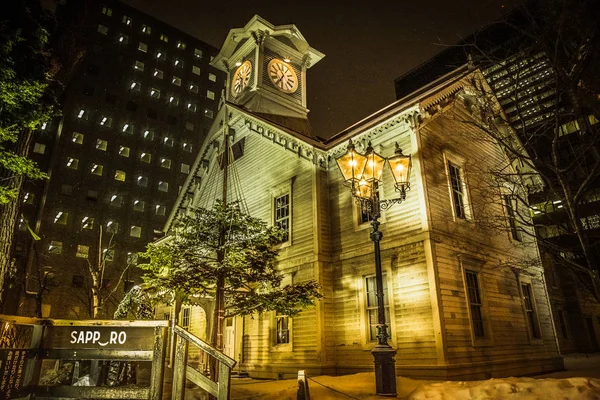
266 67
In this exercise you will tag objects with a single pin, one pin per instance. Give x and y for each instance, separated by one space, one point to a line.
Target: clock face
241 78
283 76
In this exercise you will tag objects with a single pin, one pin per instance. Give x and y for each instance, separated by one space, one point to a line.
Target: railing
181 370
28 347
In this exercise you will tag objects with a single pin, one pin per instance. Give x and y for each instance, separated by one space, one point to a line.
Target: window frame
468 264
459 163
367 308
533 339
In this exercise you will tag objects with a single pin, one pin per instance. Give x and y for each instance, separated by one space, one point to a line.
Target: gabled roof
289 33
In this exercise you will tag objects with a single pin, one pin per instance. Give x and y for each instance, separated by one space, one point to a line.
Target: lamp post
364 172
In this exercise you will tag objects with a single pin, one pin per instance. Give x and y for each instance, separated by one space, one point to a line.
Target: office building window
120 175
135 86
66 190
181 45
189 126
197 53
116 200
163 186
143 47
193 88
195 70
173 100
146 157
126 20
109 256
165 163
92 195
135 231
87 223
39 148
96 169
176 81
61 218
123 38
112 227
191 107
208 113
142 181
178 63
124 151
212 77
210 94
106 121
77 138
158 74
146 29
82 114
475 303
149 135
83 251
127 128
160 209
101 145
28 198
168 141
155 93
139 66
185 168
72 163
107 11
139 205
164 38
55 247
102 29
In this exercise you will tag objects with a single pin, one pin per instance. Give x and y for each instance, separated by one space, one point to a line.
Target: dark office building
134 114
522 78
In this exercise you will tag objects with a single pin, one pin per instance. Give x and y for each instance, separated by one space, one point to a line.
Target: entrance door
592 334
229 338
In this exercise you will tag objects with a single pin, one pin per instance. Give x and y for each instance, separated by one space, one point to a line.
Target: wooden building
464 300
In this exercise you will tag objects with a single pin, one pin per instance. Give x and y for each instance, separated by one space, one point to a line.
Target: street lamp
363 172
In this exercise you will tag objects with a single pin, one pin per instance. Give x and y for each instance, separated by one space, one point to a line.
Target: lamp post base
385 370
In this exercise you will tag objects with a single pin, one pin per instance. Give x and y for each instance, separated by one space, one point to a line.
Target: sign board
99 337
12 363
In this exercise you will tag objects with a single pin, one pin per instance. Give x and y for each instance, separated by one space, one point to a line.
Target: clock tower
266 67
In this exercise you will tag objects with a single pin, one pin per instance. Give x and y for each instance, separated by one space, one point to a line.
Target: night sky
366 43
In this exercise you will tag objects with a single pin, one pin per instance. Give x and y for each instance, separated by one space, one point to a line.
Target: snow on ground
580 380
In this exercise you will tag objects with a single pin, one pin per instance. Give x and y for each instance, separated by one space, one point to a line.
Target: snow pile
510 388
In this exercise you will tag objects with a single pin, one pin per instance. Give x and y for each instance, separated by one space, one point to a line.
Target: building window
165 163
77 138
82 251
92 195
61 218
82 114
181 45
55 247
146 29
562 323
109 255
178 63
112 227
96 169
126 20
163 186
160 209
282 215
148 135
107 11
146 157
176 81
135 231
371 306
530 311
139 205
143 47
510 204
193 88
139 65
164 38
102 29
87 223
189 126
282 334
191 107
210 94
124 151
135 86
173 100
28 198
195 70
457 189
127 128
197 53
77 281
155 93
120 175
39 148
142 181
101 144
72 163
212 77
475 304
116 200
185 168
161 55
168 141
123 38
208 113
106 121
186 317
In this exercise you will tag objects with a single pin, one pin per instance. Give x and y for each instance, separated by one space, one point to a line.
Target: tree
25 103
541 64
226 255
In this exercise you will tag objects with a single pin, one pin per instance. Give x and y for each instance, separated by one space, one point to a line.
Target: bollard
303 392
